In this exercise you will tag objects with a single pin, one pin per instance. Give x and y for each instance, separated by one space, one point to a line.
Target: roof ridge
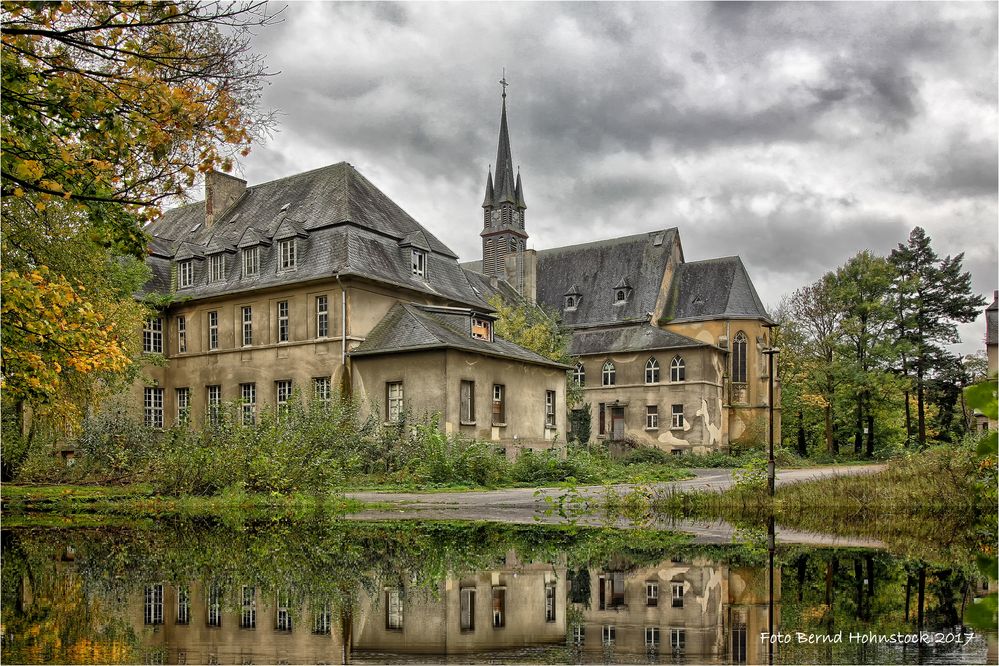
409 307
609 241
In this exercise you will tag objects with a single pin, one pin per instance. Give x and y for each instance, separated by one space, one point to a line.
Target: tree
932 296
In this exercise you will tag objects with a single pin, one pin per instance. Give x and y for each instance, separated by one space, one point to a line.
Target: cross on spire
504 83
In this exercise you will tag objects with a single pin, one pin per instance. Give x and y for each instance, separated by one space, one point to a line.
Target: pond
334 591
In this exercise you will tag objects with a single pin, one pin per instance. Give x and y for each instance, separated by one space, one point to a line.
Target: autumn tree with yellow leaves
109 111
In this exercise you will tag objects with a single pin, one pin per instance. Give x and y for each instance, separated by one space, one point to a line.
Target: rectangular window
181 335
467 608
152 335
578 634
216 267
185 274
651 593
482 329
499 606
154 604
153 403
214 605
608 634
283 391
499 404
183 396
393 609
678 640
322 622
251 261
393 401
651 637
740 637
283 330
213 330
248 616
283 619
549 409
677 416
247 325
288 251
183 604
248 395
651 417
322 317
677 594
214 394
549 602
322 389
419 263
467 402
601 419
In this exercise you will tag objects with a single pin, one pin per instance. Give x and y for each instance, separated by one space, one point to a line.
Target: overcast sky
793 135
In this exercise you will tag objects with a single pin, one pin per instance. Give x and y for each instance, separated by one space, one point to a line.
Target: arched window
677 370
579 374
739 358
609 374
652 371
620 296
570 302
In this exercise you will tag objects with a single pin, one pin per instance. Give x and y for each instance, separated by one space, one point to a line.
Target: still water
327 591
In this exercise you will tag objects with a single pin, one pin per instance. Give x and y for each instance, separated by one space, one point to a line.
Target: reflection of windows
608 634
393 401
651 593
499 606
609 375
739 636
183 604
549 409
739 358
678 640
322 622
611 590
677 594
652 371
248 616
579 374
677 369
215 605
549 602
652 637
152 335
393 609
283 619
499 404
154 604
467 608
651 417
467 402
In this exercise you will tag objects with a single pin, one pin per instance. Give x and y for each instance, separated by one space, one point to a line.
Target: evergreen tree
932 296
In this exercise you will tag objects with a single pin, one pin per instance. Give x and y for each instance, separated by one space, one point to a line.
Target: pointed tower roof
505 191
488 200
520 192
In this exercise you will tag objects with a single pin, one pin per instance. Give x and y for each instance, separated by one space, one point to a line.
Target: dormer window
251 261
622 292
419 261
620 296
571 302
482 329
185 274
288 253
216 267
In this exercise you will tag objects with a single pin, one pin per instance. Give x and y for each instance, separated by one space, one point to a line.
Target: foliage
580 424
528 325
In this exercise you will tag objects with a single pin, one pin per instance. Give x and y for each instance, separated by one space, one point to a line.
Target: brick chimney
221 192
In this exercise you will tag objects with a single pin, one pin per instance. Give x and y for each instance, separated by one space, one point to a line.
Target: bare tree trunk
831 446
920 406
870 434
908 420
908 594
920 604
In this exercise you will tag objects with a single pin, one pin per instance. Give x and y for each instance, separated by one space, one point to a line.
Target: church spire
505 185
487 201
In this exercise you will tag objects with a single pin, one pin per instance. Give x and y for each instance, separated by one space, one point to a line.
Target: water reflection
440 593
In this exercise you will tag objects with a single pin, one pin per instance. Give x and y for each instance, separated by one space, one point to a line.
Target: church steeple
503 206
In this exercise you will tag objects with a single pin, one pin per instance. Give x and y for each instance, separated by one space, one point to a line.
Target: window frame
466 400
652 417
181 334
248 609
579 374
251 261
287 255
322 316
283 322
608 374
499 405
183 403
484 324
550 399
213 330
678 369
185 274
740 368
652 370
466 609
322 389
248 407
395 405
152 407
283 390
676 594
216 268
152 612
652 593
677 420
395 612
418 262
213 398
152 335
247 317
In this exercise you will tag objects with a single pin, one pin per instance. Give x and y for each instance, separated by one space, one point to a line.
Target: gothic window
609 375
579 374
571 302
677 369
652 371
620 296
739 358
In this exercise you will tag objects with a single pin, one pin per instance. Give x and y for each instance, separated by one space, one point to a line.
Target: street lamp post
771 462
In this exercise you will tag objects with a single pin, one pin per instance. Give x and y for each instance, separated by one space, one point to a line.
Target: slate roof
636 337
344 225
408 327
486 287
592 269
991 312
713 289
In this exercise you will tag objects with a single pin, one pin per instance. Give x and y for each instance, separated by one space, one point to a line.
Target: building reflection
673 612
